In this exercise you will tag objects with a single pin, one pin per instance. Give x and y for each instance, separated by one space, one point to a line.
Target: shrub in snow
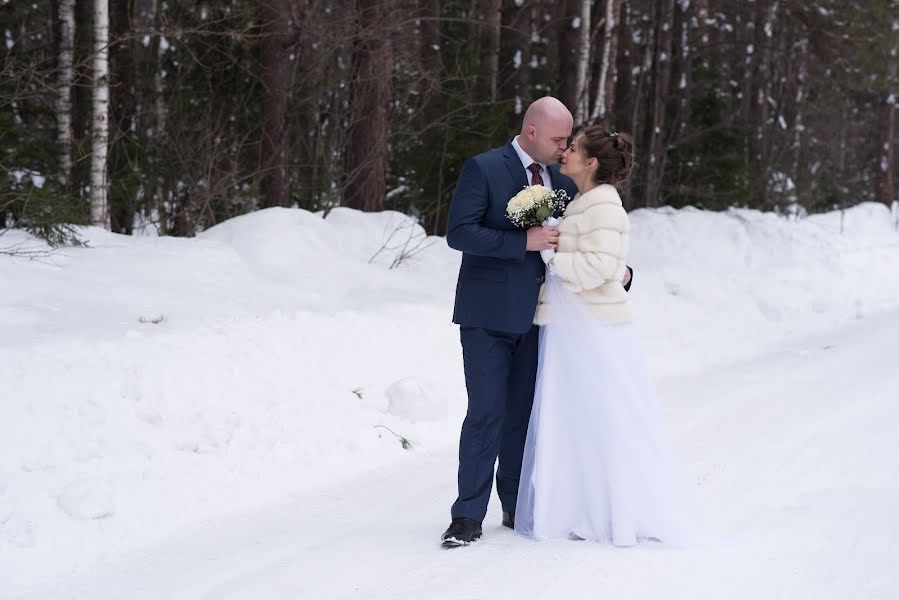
404 441
87 499
416 399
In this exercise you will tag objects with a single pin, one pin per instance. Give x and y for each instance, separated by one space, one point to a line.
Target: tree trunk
842 147
160 113
684 83
64 89
154 120
887 156
746 40
100 135
310 140
761 173
277 67
367 148
432 66
702 33
123 99
566 16
656 155
82 101
799 124
515 78
639 105
490 36
433 136
605 89
627 69
581 93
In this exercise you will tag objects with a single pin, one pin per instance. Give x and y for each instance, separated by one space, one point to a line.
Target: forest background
169 116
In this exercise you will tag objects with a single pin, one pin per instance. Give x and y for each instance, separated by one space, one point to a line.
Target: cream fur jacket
593 243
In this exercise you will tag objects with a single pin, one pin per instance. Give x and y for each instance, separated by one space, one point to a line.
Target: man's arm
465 226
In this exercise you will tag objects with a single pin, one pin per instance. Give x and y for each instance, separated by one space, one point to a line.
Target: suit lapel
556 177
516 169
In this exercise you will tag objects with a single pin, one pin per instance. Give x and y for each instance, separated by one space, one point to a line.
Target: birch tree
583 64
605 87
64 89
100 127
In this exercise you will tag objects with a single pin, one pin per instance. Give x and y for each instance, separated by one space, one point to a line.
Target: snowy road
796 453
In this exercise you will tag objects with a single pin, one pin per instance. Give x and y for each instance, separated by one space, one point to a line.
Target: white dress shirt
527 161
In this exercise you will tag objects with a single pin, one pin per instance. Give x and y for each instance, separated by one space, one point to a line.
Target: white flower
532 204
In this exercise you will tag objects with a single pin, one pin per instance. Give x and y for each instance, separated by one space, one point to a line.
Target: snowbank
149 384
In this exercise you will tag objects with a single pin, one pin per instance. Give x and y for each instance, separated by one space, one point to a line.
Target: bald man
496 298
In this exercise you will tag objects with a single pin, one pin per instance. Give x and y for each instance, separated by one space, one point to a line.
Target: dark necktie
535 170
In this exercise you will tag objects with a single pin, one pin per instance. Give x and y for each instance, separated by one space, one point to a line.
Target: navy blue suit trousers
496 298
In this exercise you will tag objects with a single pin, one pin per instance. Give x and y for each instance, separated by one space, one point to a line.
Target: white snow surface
221 417
416 399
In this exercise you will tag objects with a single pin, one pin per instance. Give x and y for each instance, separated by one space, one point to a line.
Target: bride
597 465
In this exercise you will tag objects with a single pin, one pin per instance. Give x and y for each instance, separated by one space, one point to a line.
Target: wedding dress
597 464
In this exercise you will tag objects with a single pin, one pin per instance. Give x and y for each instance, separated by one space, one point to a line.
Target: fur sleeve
600 248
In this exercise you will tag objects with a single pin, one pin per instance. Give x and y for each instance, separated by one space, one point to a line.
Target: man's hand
542 238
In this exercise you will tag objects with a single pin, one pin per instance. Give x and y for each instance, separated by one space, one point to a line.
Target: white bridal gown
597 464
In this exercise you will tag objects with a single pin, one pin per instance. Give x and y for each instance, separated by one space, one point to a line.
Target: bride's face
573 162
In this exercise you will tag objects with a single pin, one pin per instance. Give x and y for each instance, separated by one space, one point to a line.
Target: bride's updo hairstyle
613 150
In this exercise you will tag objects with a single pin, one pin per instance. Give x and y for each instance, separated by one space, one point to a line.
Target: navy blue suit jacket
499 280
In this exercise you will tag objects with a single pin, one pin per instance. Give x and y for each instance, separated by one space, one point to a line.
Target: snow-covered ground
243 447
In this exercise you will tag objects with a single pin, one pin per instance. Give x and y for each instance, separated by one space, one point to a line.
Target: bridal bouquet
534 206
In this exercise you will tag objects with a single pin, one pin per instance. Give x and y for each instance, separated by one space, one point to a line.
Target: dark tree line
221 107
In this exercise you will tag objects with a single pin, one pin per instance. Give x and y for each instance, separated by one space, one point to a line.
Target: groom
496 297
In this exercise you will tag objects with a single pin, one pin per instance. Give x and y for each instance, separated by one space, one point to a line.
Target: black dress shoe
462 531
509 519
